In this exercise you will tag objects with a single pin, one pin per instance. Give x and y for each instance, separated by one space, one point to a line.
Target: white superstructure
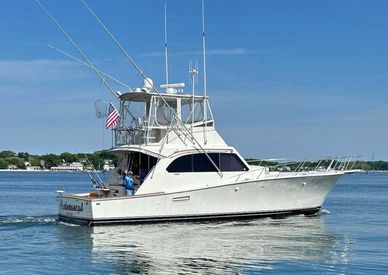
163 137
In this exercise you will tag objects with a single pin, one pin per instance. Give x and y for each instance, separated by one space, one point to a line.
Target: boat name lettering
72 207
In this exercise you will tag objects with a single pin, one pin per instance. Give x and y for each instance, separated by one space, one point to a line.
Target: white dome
148 84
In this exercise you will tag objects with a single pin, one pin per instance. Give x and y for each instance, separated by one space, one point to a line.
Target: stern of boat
75 208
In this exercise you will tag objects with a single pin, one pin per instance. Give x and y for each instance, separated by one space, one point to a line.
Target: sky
286 79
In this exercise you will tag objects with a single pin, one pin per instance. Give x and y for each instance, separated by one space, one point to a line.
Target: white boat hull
276 196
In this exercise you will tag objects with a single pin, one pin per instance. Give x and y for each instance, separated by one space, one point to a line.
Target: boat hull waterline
269 197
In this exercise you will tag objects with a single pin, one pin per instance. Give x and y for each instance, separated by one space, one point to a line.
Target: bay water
349 235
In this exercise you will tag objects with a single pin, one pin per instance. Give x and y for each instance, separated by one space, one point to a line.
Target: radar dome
148 83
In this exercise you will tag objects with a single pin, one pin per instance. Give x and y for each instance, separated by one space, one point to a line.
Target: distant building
32 168
74 166
29 167
108 167
89 168
12 167
108 161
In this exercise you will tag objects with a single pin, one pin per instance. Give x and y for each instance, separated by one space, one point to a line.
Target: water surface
350 235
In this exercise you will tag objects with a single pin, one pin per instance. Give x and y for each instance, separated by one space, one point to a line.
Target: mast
204 70
165 40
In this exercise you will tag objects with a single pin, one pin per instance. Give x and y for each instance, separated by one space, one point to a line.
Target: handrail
341 163
347 163
250 171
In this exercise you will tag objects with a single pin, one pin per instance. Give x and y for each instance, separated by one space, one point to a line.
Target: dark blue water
350 236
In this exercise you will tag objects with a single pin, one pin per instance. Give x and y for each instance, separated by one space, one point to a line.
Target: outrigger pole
90 64
146 79
78 49
204 70
86 64
165 40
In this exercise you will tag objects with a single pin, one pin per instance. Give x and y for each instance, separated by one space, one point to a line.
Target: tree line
310 165
47 161
97 159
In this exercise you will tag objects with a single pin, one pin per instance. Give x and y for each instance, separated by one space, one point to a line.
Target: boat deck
94 196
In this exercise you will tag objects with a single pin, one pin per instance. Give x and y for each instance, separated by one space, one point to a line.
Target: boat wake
324 212
27 220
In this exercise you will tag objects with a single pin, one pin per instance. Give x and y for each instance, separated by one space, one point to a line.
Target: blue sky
289 79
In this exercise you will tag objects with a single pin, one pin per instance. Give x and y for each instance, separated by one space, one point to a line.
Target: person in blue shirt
129 184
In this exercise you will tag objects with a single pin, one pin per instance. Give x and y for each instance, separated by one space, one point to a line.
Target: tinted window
215 158
200 163
182 164
231 162
203 164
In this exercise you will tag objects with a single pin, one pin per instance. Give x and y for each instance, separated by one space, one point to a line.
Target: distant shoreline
102 171
23 170
34 171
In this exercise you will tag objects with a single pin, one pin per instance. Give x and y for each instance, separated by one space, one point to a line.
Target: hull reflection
214 247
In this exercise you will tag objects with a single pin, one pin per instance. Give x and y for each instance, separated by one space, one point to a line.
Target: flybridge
148 117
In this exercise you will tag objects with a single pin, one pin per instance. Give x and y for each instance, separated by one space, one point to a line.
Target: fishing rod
100 181
95 183
86 64
146 79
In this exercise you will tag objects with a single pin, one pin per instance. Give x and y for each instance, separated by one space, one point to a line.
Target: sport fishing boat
183 168
191 172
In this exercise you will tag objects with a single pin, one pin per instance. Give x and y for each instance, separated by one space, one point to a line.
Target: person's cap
130 173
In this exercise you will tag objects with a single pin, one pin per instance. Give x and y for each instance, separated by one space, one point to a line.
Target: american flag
113 117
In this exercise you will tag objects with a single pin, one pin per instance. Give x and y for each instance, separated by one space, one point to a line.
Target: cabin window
200 163
187 110
182 164
165 114
231 162
137 162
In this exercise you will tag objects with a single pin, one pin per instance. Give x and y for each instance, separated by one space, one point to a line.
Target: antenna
204 70
165 40
193 71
